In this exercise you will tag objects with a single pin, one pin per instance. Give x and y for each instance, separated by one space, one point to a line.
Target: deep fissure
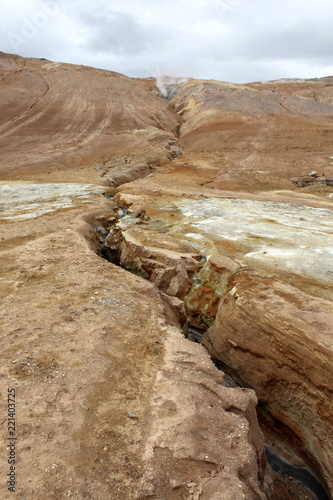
309 477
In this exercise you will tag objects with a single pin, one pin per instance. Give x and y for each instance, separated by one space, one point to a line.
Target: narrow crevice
308 477
110 255
231 378
300 474
194 334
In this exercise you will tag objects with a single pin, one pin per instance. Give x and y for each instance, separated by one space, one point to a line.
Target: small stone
313 174
132 415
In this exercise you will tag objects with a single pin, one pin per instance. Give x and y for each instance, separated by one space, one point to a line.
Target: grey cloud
305 41
249 40
115 32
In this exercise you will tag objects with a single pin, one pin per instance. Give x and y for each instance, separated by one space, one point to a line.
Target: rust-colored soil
112 402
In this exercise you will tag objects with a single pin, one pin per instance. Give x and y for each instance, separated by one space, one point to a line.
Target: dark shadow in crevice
287 471
300 474
110 255
233 380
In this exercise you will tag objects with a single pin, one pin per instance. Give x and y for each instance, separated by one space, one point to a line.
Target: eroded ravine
229 238
191 281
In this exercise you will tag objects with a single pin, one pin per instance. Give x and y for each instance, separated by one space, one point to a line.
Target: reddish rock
113 401
278 341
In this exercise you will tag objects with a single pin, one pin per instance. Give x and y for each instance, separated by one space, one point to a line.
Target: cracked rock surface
192 202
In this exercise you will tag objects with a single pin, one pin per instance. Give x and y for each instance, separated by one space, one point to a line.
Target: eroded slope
114 402
57 118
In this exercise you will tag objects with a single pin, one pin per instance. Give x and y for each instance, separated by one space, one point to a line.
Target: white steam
167 84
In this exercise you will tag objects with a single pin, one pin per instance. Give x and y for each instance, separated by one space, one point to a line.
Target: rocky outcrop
127 173
127 169
208 286
170 271
278 341
204 439
195 279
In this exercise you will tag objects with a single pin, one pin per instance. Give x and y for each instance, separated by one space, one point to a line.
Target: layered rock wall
278 341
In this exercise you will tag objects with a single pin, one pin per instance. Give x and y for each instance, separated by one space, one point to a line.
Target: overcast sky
230 40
